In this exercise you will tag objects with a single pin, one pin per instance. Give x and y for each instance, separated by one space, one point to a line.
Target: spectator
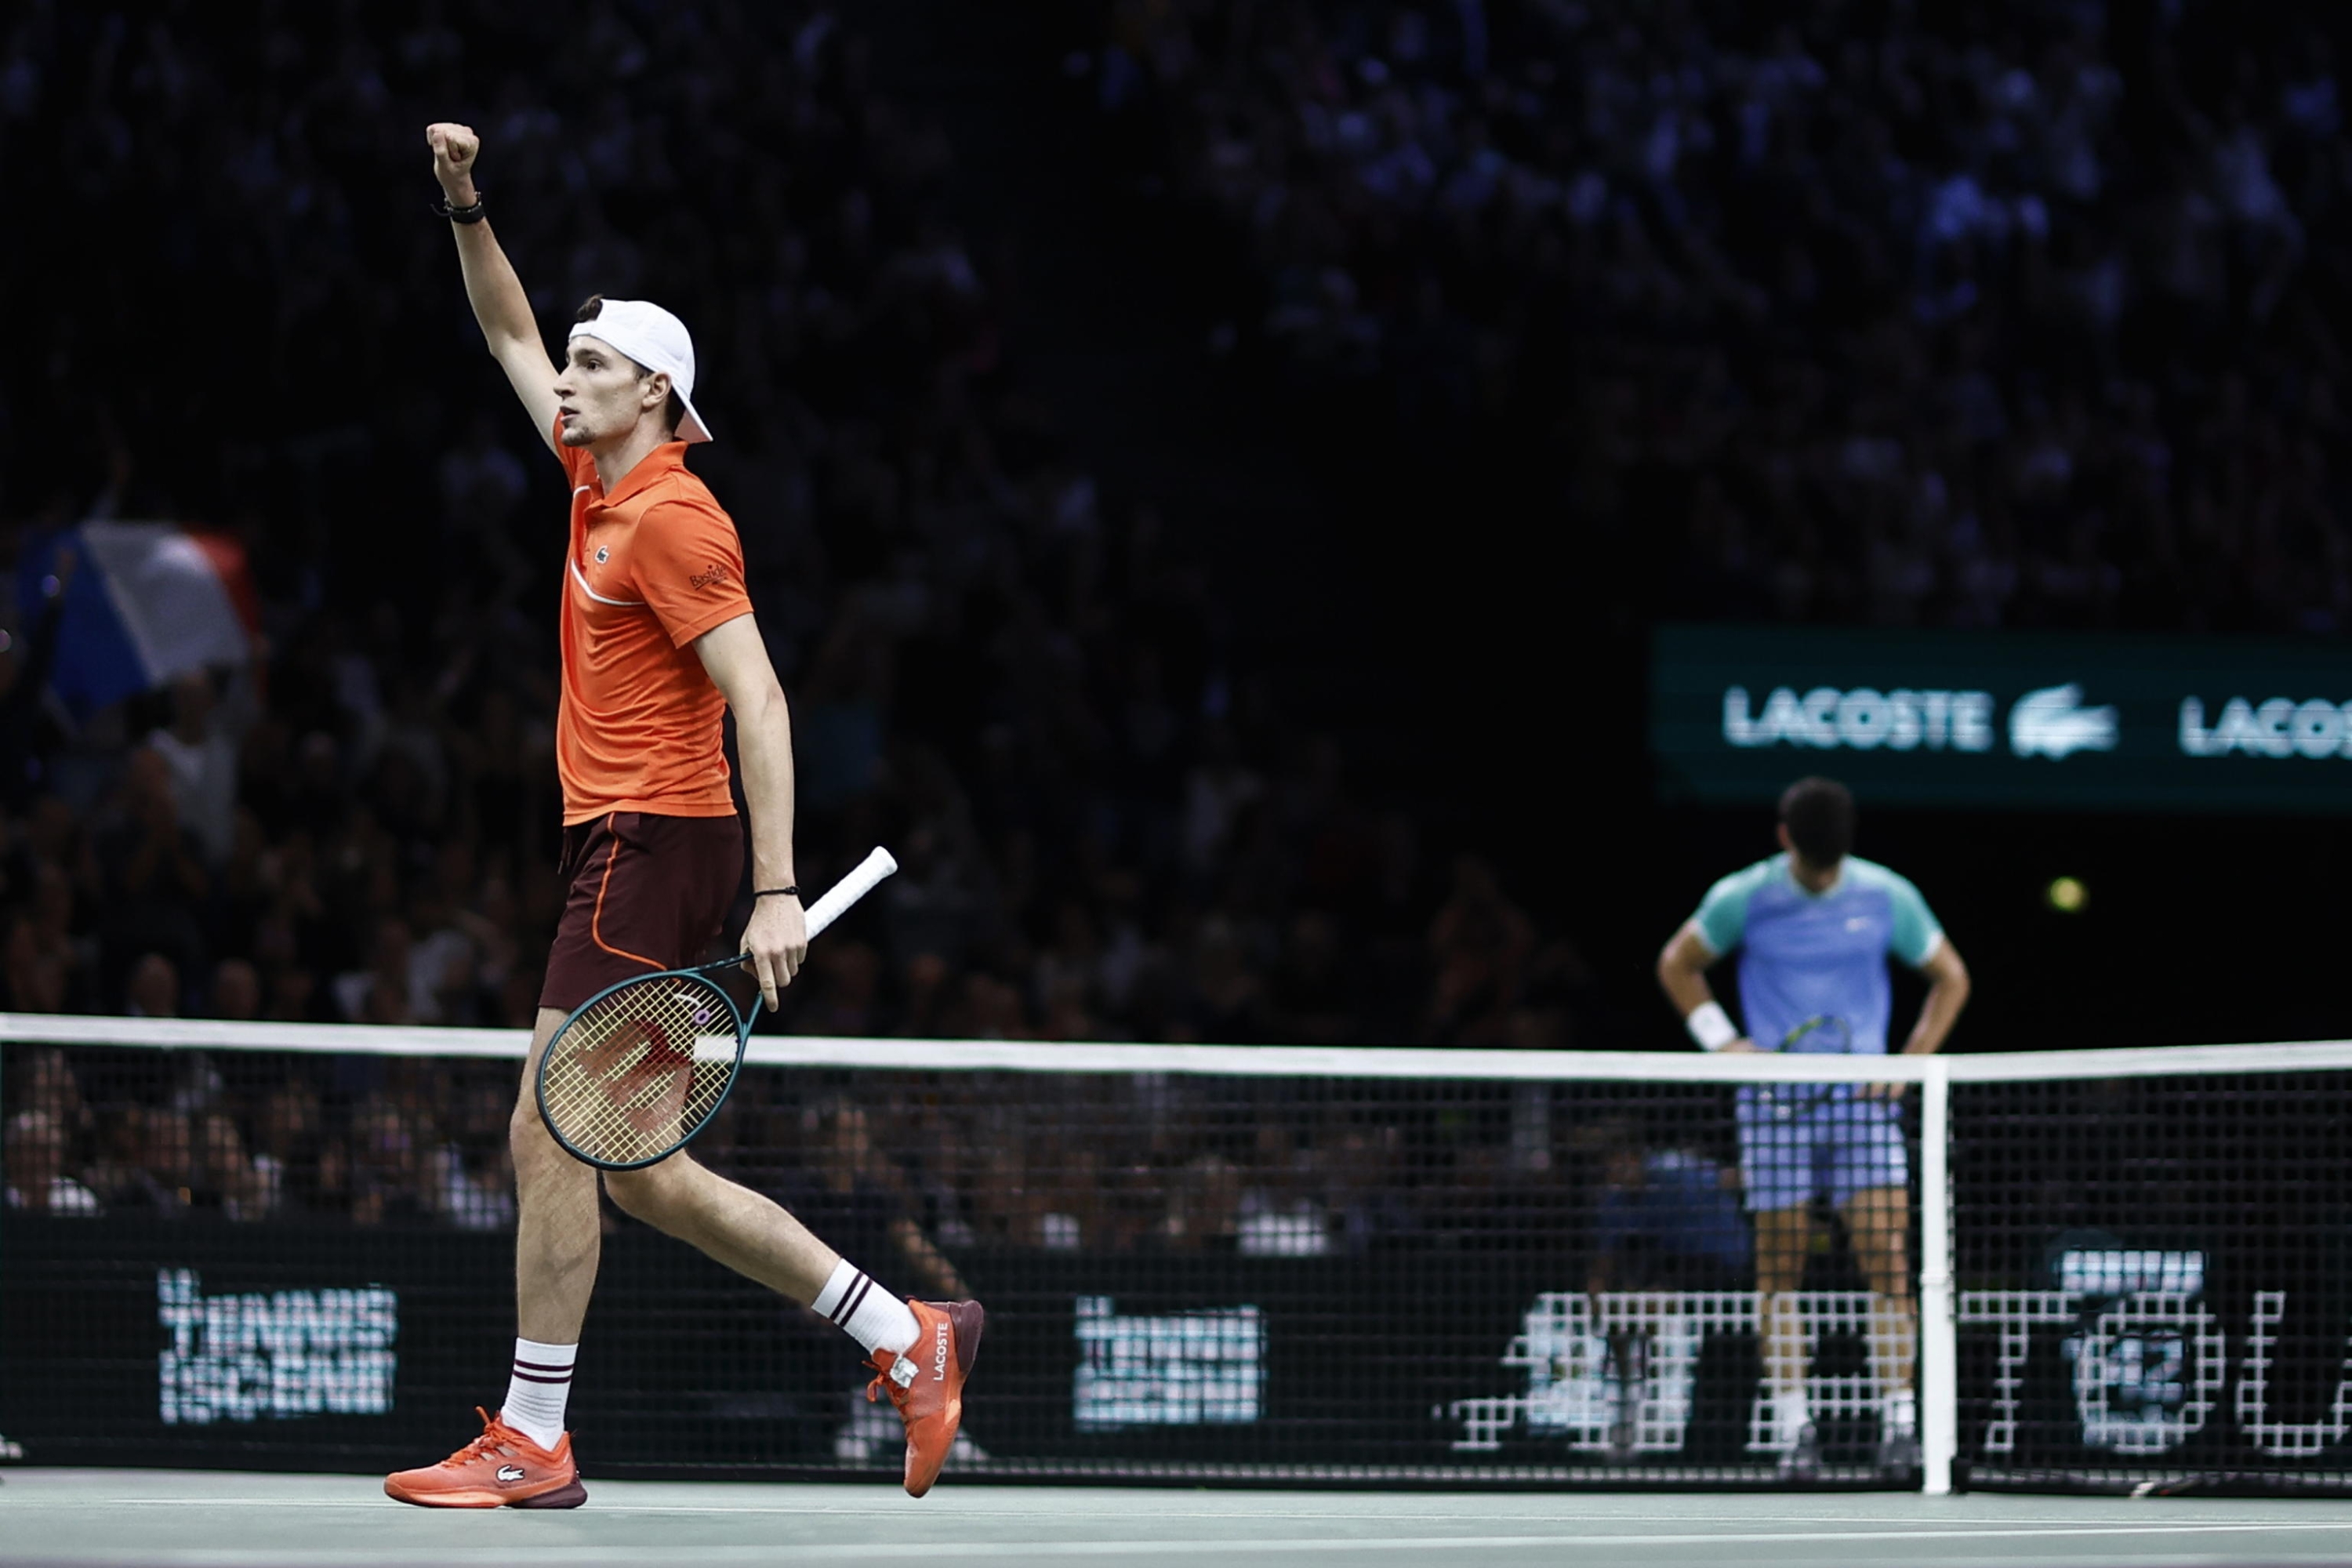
46 1083
388 1182
1478 947
154 991
1279 1215
231 1182
285 1149
1666 1219
37 1182
200 748
154 874
473 1174
164 1179
236 990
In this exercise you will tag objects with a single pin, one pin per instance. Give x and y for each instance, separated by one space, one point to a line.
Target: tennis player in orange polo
658 641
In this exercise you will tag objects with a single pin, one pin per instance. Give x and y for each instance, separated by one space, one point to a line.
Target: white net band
1226 1061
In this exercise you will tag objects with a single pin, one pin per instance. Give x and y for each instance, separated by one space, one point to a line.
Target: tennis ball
2067 895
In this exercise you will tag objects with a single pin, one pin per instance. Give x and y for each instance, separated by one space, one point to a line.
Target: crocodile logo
2053 723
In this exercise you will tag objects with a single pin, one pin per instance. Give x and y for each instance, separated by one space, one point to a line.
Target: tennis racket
640 1067
1820 1034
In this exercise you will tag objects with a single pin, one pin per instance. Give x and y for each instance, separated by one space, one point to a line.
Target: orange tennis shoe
500 1468
927 1384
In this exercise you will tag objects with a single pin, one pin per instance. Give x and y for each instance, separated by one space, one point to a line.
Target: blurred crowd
1985 314
916 1168
1107 830
1015 681
2012 312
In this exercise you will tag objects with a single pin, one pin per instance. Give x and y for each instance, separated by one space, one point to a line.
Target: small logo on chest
603 553
1857 922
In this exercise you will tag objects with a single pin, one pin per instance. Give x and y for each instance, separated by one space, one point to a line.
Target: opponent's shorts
1834 1149
642 893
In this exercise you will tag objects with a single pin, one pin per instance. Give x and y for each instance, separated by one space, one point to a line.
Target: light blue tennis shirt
1808 956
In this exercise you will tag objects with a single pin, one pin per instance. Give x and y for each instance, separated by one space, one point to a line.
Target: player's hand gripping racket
642 1067
1820 1034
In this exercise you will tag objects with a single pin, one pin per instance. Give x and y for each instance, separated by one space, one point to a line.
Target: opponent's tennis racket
1820 1034
640 1067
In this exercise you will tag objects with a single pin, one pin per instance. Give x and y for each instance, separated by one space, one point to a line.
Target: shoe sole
571 1494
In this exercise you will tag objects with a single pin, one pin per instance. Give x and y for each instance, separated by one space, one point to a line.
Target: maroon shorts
642 893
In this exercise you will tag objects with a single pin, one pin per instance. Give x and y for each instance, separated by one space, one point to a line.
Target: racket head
641 1067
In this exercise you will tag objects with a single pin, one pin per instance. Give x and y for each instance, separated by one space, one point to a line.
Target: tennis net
268 1245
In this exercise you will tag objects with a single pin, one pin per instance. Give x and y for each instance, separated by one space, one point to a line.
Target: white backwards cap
657 340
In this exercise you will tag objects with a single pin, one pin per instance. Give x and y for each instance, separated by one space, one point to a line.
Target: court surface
150 1517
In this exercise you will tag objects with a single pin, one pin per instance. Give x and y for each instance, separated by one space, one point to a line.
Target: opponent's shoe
1801 1459
927 1384
500 1468
1898 1451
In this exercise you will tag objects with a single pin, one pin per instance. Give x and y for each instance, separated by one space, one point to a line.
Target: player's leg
921 1351
1872 1188
1878 1220
558 1234
1776 1171
523 1457
666 893
1783 1239
752 1235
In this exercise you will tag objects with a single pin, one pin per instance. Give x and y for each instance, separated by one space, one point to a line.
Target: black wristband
462 215
777 893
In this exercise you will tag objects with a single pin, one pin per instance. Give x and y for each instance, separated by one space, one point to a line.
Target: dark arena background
1315 531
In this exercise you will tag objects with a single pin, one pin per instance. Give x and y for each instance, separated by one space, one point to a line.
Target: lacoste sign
1862 718
2051 722
2280 727
2034 720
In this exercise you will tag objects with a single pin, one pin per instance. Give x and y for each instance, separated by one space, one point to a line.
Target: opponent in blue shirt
1814 927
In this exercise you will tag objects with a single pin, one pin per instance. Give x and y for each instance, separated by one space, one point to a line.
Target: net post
1939 1353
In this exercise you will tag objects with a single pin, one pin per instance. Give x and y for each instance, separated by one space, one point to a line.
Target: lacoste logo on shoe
509 1474
940 1356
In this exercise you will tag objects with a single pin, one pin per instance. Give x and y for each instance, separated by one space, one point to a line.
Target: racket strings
642 1068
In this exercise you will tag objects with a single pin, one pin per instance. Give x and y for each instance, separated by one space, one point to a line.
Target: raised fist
454 150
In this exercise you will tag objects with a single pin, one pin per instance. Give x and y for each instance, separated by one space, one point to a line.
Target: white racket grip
860 882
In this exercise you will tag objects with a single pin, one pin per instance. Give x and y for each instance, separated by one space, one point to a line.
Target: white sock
1899 1410
1791 1413
867 1313
537 1390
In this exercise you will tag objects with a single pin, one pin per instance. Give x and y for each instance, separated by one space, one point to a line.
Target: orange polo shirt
651 567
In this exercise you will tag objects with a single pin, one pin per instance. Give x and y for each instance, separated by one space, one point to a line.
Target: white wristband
1711 1026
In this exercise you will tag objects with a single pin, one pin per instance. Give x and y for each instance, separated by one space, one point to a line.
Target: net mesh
1320 1267
2154 1286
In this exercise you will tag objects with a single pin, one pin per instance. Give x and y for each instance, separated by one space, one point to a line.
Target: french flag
141 603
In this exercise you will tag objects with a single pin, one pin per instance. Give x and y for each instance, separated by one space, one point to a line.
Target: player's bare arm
1948 992
500 306
777 937
1682 973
